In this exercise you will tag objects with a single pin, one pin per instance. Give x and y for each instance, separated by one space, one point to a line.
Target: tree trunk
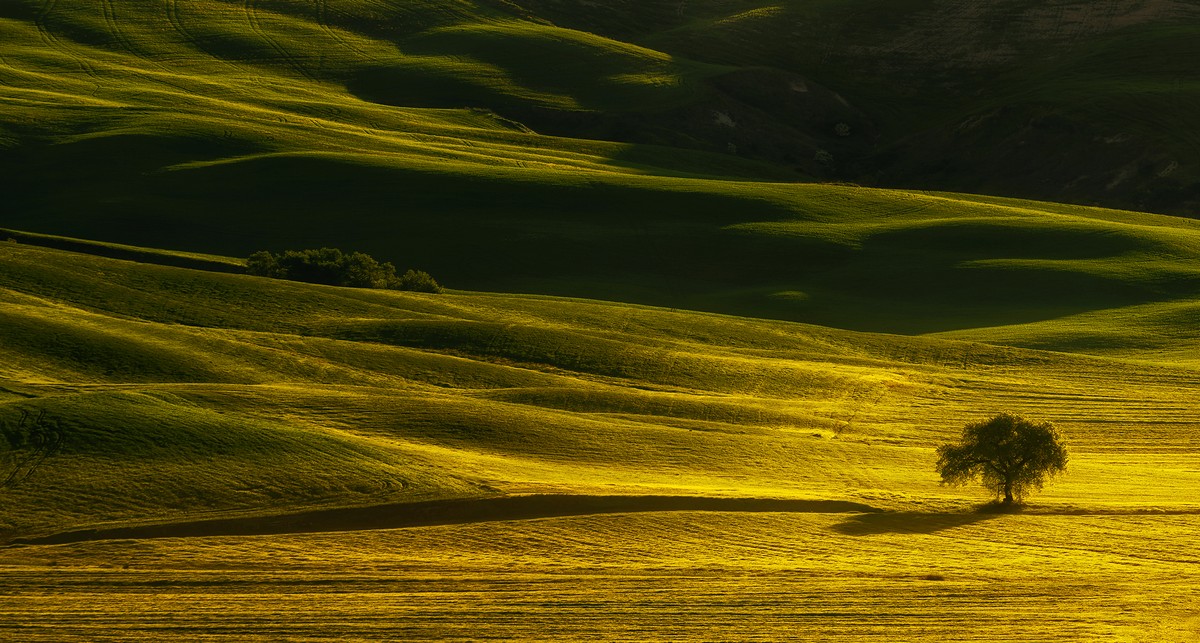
1008 497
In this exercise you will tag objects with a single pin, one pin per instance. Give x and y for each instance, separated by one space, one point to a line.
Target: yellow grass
187 395
686 576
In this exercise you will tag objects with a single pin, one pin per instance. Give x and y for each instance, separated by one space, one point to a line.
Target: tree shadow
911 522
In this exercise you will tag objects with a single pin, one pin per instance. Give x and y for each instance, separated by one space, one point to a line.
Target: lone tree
1010 454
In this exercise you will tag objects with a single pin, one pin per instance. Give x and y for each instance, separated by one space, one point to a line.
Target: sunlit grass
225 127
687 576
278 119
518 393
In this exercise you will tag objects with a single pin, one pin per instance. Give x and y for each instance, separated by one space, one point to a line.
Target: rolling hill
178 393
399 129
552 468
222 127
688 381
1088 102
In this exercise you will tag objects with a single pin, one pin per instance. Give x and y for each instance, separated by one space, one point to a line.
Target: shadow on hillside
908 522
447 512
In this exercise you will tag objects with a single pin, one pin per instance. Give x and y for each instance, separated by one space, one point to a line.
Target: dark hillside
1093 102
642 152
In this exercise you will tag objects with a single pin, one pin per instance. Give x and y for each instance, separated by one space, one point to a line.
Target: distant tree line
333 267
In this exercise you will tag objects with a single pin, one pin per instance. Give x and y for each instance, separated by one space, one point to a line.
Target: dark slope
1093 102
1087 102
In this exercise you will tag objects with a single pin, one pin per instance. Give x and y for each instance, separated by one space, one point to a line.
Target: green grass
936 262
1081 101
182 392
181 395
642 155
224 128
495 64
111 113
691 576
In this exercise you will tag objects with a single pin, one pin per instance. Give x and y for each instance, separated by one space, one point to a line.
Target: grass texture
100 102
180 396
711 415
221 127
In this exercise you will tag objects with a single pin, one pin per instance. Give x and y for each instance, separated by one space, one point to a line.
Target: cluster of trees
336 268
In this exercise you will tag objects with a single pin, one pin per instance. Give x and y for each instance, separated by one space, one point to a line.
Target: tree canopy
333 267
1009 454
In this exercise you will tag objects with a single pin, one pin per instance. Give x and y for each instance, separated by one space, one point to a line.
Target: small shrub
933 577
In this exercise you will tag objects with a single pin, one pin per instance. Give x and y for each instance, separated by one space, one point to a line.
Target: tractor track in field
44 12
447 512
252 17
175 17
43 439
52 41
322 10
176 20
109 10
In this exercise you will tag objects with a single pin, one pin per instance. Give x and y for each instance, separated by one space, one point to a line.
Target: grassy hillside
176 442
1085 101
207 424
225 128
1082 101
176 393
822 254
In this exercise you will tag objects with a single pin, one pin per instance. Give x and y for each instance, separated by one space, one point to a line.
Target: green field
182 396
136 122
225 127
689 376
